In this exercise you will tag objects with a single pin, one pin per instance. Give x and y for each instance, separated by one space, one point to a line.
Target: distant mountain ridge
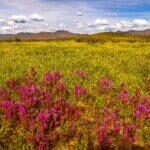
143 32
61 34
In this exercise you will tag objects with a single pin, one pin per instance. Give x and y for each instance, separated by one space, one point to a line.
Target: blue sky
82 16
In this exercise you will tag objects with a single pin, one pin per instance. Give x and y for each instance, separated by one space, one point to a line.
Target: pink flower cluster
44 113
79 91
52 78
113 130
40 107
124 95
105 85
81 74
142 110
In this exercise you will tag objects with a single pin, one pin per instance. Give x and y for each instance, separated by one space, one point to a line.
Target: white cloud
79 13
141 22
10 23
2 21
102 25
52 29
106 28
136 24
101 22
25 19
62 25
36 17
5 29
91 25
44 24
80 25
76 21
27 23
126 24
102 28
19 18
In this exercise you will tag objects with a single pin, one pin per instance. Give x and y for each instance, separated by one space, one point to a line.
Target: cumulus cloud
36 17
23 23
25 19
34 22
2 21
91 25
76 21
140 22
44 24
132 25
80 25
126 24
52 29
62 25
101 22
10 23
79 13
19 18
122 25
5 29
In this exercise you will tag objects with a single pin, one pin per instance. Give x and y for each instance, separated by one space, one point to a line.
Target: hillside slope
62 34
39 36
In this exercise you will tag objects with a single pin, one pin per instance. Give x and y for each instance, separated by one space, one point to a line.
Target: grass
128 62
113 37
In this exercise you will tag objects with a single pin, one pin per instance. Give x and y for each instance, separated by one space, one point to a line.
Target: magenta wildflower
23 113
105 85
124 96
79 91
57 75
48 77
10 108
129 133
104 140
38 113
81 74
142 110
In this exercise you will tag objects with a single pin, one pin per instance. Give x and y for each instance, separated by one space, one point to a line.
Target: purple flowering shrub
42 114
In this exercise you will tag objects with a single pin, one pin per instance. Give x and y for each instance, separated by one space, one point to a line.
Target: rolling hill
62 34
143 32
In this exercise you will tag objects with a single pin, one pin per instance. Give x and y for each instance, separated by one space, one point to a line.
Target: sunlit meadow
71 95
